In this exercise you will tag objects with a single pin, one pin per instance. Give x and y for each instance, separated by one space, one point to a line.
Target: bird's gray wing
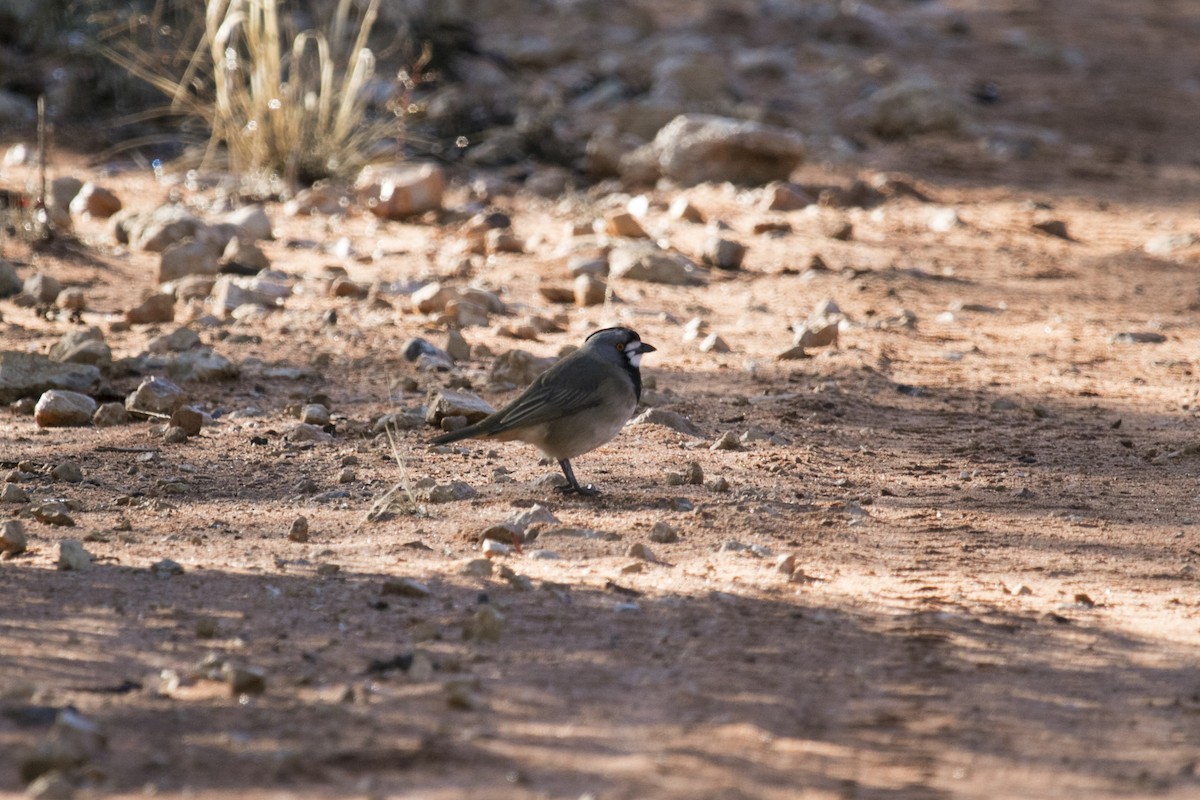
544 403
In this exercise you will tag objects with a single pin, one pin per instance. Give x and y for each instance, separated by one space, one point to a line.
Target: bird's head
622 345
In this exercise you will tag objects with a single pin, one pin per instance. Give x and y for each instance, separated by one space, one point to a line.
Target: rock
320 198
447 492
1053 227
194 287
700 148
177 341
42 288
21 154
82 346
492 548
53 513
485 625
728 441
13 540
249 223
785 196
520 583
1163 245
154 309
68 472
943 220
189 419
589 291
859 194
71 745
504 532
342 286
416 347
1139 337
536 514
432 297
477 568
757 434
314 414
10 282
406 587
723 253
588 265
450 403
157 230
669 419
110 414
488 301
518 367
622 223
231 293
456 346
554 293
645 261
694 327
302 432
502 240
175 435
462 313
201 364
816 336
27 374
663 533
243 680
58 408
166 568
639 550
244 258
910 107
299 530
73 300
155 396
63 191
714 344
94 352
400 192
682 209
95 201
11 493
72 556
570 532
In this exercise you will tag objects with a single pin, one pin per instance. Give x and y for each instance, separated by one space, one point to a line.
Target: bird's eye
620 346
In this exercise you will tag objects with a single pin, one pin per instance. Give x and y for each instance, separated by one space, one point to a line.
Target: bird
578 404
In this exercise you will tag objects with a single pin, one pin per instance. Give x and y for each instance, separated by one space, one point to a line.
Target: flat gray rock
30 374
701 148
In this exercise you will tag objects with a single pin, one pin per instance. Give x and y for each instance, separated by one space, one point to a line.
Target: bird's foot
583 491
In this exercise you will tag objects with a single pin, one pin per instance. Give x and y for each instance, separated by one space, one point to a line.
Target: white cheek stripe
635 359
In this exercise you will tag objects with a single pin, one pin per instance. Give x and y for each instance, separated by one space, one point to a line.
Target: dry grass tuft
295 107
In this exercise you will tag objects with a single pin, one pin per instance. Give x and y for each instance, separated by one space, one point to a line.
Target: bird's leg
572 484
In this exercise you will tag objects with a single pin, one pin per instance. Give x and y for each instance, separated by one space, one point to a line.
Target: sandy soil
993 511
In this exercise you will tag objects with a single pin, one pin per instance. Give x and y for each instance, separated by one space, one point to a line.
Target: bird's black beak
642 347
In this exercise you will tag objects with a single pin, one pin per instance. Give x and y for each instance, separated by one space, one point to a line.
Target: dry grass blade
402 497
274 105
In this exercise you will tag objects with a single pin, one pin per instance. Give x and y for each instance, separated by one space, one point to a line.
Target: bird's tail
469 432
